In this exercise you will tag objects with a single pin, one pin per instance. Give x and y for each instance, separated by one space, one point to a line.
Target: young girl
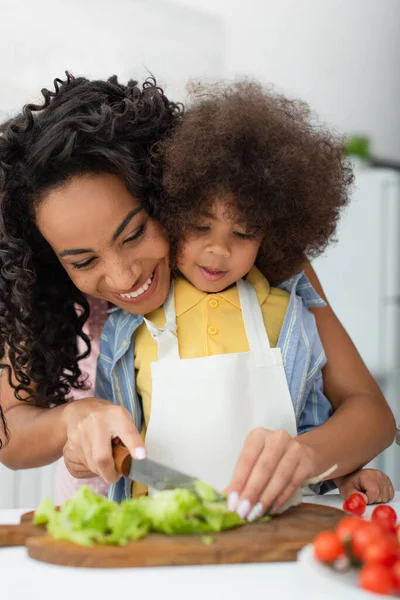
76 176
250 180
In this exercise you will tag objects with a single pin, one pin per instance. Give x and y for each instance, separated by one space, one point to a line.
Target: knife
161 477
151 473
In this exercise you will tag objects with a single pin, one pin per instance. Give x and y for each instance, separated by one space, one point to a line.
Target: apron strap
166 338
254 324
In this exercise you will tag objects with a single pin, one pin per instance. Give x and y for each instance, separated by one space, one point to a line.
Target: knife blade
149 472
161 477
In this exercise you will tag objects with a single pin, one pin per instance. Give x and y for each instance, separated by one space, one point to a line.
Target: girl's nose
219 247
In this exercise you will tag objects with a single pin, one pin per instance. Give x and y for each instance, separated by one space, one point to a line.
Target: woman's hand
91 425
271 467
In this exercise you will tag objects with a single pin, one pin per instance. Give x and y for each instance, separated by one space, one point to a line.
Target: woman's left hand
271 467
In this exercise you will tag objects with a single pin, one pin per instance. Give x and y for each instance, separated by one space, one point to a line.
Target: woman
99 139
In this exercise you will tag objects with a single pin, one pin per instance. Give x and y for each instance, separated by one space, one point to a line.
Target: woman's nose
122 277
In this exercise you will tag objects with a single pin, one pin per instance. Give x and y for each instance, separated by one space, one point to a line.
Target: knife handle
122 459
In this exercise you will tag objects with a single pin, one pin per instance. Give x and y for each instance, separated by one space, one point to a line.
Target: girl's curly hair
285 172
81 127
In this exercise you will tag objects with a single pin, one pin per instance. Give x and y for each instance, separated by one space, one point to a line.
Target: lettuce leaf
88 518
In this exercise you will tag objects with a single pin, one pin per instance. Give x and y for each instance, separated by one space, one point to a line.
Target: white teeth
140 291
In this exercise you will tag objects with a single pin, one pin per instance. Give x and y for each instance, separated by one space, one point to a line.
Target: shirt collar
187 296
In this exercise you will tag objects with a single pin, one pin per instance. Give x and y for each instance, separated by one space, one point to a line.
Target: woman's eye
200 228
138 233
84 263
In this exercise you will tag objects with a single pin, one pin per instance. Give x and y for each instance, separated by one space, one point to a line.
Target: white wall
342 56
39 40
97 38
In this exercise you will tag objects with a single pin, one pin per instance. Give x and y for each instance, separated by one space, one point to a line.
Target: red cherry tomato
381 552
355 504
397 534
396 575
347 526
386 518
376 578
327 546
365 535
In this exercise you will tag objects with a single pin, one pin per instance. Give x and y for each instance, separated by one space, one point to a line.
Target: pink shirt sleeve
65 484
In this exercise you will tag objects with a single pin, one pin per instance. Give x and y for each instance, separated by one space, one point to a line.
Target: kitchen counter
22 578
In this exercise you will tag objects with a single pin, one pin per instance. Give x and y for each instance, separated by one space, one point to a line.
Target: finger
77 469
251 450
86 447
281 478
101 457
298 477
265 468
353 488
372 491
125 430
95 435
275 464
346 490
364 496
391 492
385 493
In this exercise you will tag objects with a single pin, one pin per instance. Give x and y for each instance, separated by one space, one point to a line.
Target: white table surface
22 578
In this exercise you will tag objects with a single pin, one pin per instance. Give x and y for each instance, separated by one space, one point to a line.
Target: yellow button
213 303
212 330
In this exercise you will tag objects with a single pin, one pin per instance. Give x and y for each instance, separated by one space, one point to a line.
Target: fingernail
232 501
255 512
140 453
244 508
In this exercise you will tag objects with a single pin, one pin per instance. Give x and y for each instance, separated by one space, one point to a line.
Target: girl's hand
271 467
372 484
91 426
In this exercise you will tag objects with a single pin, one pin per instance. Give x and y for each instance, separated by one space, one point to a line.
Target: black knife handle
122 459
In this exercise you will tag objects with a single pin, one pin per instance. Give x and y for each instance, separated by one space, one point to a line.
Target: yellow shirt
207 324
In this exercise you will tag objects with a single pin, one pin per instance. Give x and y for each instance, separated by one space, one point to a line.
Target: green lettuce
88 518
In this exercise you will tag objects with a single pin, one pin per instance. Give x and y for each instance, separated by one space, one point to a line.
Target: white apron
202 409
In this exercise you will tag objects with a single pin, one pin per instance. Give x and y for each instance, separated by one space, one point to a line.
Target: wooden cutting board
277 540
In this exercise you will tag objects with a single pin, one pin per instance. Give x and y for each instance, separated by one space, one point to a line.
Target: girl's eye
138 233
84 263
244 236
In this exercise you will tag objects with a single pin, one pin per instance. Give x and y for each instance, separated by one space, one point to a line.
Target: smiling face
106 242
219 250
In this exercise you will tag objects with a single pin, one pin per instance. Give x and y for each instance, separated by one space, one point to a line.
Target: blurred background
341 56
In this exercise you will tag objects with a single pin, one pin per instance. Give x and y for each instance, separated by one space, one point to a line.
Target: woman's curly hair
285 172
81 127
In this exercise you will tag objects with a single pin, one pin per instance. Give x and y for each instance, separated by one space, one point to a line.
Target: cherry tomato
355 504
396 575
376 578
365 535
381 552
386 518
327 546
347 526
